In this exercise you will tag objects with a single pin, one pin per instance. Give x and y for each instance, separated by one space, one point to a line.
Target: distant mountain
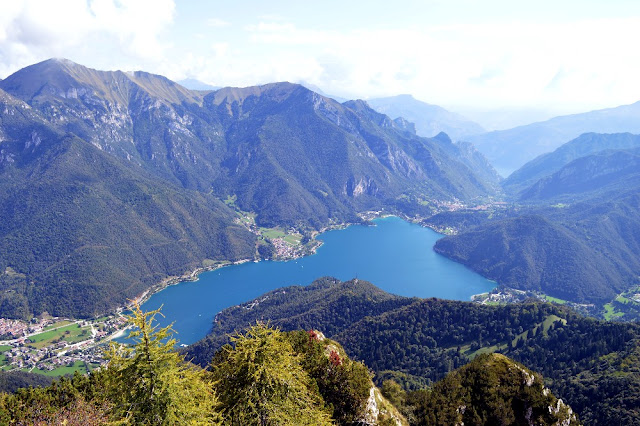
575 237
466 153
429 119
508 150
319 91
112 181
583 252
193 84
549 163
418 341
604 171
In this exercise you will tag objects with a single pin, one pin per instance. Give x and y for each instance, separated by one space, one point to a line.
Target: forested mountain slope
572 234
586 362
551 162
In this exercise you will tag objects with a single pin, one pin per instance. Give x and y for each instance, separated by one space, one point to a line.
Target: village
56 346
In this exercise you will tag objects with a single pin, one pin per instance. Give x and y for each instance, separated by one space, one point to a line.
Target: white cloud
82 30
492 64
218 23
577 65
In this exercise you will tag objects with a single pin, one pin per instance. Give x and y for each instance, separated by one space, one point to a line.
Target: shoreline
194 275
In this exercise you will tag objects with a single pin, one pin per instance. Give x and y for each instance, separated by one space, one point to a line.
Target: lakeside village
56 346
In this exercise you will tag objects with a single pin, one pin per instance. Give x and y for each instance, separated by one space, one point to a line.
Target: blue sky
558 56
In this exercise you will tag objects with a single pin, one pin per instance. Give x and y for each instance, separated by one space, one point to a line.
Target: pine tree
260 381
150 383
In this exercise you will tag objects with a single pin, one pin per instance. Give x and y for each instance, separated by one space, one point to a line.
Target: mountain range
113 181
574 231
510 149
429 119
551 162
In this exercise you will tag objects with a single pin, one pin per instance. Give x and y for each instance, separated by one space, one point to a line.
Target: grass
623 299
3 358
551 319
79 366
71 333
487 350
555 300
545 325
610 312
293 239
58 324
272 233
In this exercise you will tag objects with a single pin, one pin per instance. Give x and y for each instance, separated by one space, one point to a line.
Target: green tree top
150 383
260 381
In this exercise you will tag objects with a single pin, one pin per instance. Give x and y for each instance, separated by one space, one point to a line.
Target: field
3 359
57 325
555 300
71 334
79 366
610 312
539 328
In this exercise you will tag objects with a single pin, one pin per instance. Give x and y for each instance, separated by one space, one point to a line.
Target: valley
224 207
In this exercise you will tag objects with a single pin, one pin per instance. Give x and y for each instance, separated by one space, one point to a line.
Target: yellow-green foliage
150 383
260 381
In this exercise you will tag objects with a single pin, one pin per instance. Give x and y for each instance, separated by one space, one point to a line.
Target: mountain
466 153
82 232
508 150
573 233
268 377
272 377
319 91
492 390
327 302
193 84
429 119
531 252
604 171
582 252
549 163
416 342
111 182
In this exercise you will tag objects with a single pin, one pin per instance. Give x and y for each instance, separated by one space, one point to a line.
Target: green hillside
586 362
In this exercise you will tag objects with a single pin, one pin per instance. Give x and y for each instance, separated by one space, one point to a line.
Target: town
57 346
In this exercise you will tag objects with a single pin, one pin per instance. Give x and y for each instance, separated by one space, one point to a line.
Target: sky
559 56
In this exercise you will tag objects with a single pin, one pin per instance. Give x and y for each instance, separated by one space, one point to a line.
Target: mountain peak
63 78
429 119
443 137
276 91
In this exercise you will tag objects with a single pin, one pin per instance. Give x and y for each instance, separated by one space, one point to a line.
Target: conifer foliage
150 383
260 381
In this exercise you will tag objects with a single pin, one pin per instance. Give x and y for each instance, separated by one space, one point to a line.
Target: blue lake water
395 255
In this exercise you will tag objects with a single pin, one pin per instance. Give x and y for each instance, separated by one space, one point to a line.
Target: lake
395 255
